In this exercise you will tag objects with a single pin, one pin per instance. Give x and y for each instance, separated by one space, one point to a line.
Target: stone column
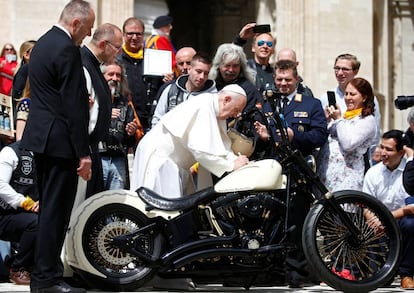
114 11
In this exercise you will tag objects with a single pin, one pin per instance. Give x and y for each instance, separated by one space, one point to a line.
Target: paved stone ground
9 287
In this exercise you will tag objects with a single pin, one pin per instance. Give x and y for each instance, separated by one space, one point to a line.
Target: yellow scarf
138 55
353 113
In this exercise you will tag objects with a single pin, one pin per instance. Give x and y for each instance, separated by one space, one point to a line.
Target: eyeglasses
131 34
8 49
113 46
268 43
344 69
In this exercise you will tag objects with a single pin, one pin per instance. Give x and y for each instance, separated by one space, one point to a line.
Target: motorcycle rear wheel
347 263
124 272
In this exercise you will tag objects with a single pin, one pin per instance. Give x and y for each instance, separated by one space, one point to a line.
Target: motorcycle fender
75 256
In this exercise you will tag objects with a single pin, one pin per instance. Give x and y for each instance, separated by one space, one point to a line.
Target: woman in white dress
341 163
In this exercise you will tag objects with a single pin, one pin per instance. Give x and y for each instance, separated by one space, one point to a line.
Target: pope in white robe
194 131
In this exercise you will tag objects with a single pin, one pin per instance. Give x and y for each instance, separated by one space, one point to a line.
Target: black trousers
96 183
298 210
20 226
57 180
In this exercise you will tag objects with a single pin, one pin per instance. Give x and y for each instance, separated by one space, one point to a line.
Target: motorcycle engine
251 207
254 216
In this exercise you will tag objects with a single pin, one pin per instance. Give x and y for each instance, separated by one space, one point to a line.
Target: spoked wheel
352 263
123 272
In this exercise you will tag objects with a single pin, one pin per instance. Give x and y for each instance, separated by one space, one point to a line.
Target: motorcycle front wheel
347 262
123 271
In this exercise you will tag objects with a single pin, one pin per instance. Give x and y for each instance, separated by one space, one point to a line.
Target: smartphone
331 99
261 28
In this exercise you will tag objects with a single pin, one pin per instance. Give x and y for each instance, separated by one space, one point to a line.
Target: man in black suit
57 133
408 175
104 46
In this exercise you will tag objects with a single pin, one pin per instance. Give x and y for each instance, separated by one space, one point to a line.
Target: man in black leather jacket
121 131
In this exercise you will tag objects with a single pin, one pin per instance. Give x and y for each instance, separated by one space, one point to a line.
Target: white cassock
189 133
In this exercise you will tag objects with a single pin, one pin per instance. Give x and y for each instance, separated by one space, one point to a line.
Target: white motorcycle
235 232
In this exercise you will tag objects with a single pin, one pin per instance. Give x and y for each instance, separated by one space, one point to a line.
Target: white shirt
63 29
289 99
386 185
8 163
94 110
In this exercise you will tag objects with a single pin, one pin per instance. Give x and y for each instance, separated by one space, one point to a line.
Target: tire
124 272
346 263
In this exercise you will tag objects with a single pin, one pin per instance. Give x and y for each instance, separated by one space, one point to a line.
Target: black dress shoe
58 288
295 280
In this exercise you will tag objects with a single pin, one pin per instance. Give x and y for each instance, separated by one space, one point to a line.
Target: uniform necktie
284 104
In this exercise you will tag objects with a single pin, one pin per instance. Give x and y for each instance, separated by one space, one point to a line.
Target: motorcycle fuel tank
258 175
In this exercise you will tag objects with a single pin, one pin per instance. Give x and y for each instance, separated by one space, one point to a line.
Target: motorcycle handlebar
279 122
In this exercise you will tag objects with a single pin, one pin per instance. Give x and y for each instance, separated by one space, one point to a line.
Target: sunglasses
268 43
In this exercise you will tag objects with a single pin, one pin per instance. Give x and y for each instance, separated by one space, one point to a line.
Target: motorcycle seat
155 201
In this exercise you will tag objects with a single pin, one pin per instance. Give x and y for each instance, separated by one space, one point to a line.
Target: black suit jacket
103 95
101 130
59 110
408 178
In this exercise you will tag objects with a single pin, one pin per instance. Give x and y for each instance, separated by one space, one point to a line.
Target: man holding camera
263 47
383 181
408 175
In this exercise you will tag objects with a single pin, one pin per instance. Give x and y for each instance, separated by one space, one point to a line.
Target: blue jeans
114 172
4 253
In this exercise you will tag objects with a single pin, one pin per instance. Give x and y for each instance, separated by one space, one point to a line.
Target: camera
404 102
408 138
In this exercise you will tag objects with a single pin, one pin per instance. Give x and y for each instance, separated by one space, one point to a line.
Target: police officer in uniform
18 208
307 131
304 115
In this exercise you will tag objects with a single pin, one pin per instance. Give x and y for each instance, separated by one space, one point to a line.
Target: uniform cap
162 20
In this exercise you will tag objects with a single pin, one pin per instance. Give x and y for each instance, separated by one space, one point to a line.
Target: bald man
183 58
290 54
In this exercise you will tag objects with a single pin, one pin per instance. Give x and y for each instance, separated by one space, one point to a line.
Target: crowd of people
79 110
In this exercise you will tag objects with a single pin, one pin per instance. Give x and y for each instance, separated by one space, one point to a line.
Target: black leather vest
23 179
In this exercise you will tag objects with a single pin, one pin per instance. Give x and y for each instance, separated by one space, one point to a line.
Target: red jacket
6 75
